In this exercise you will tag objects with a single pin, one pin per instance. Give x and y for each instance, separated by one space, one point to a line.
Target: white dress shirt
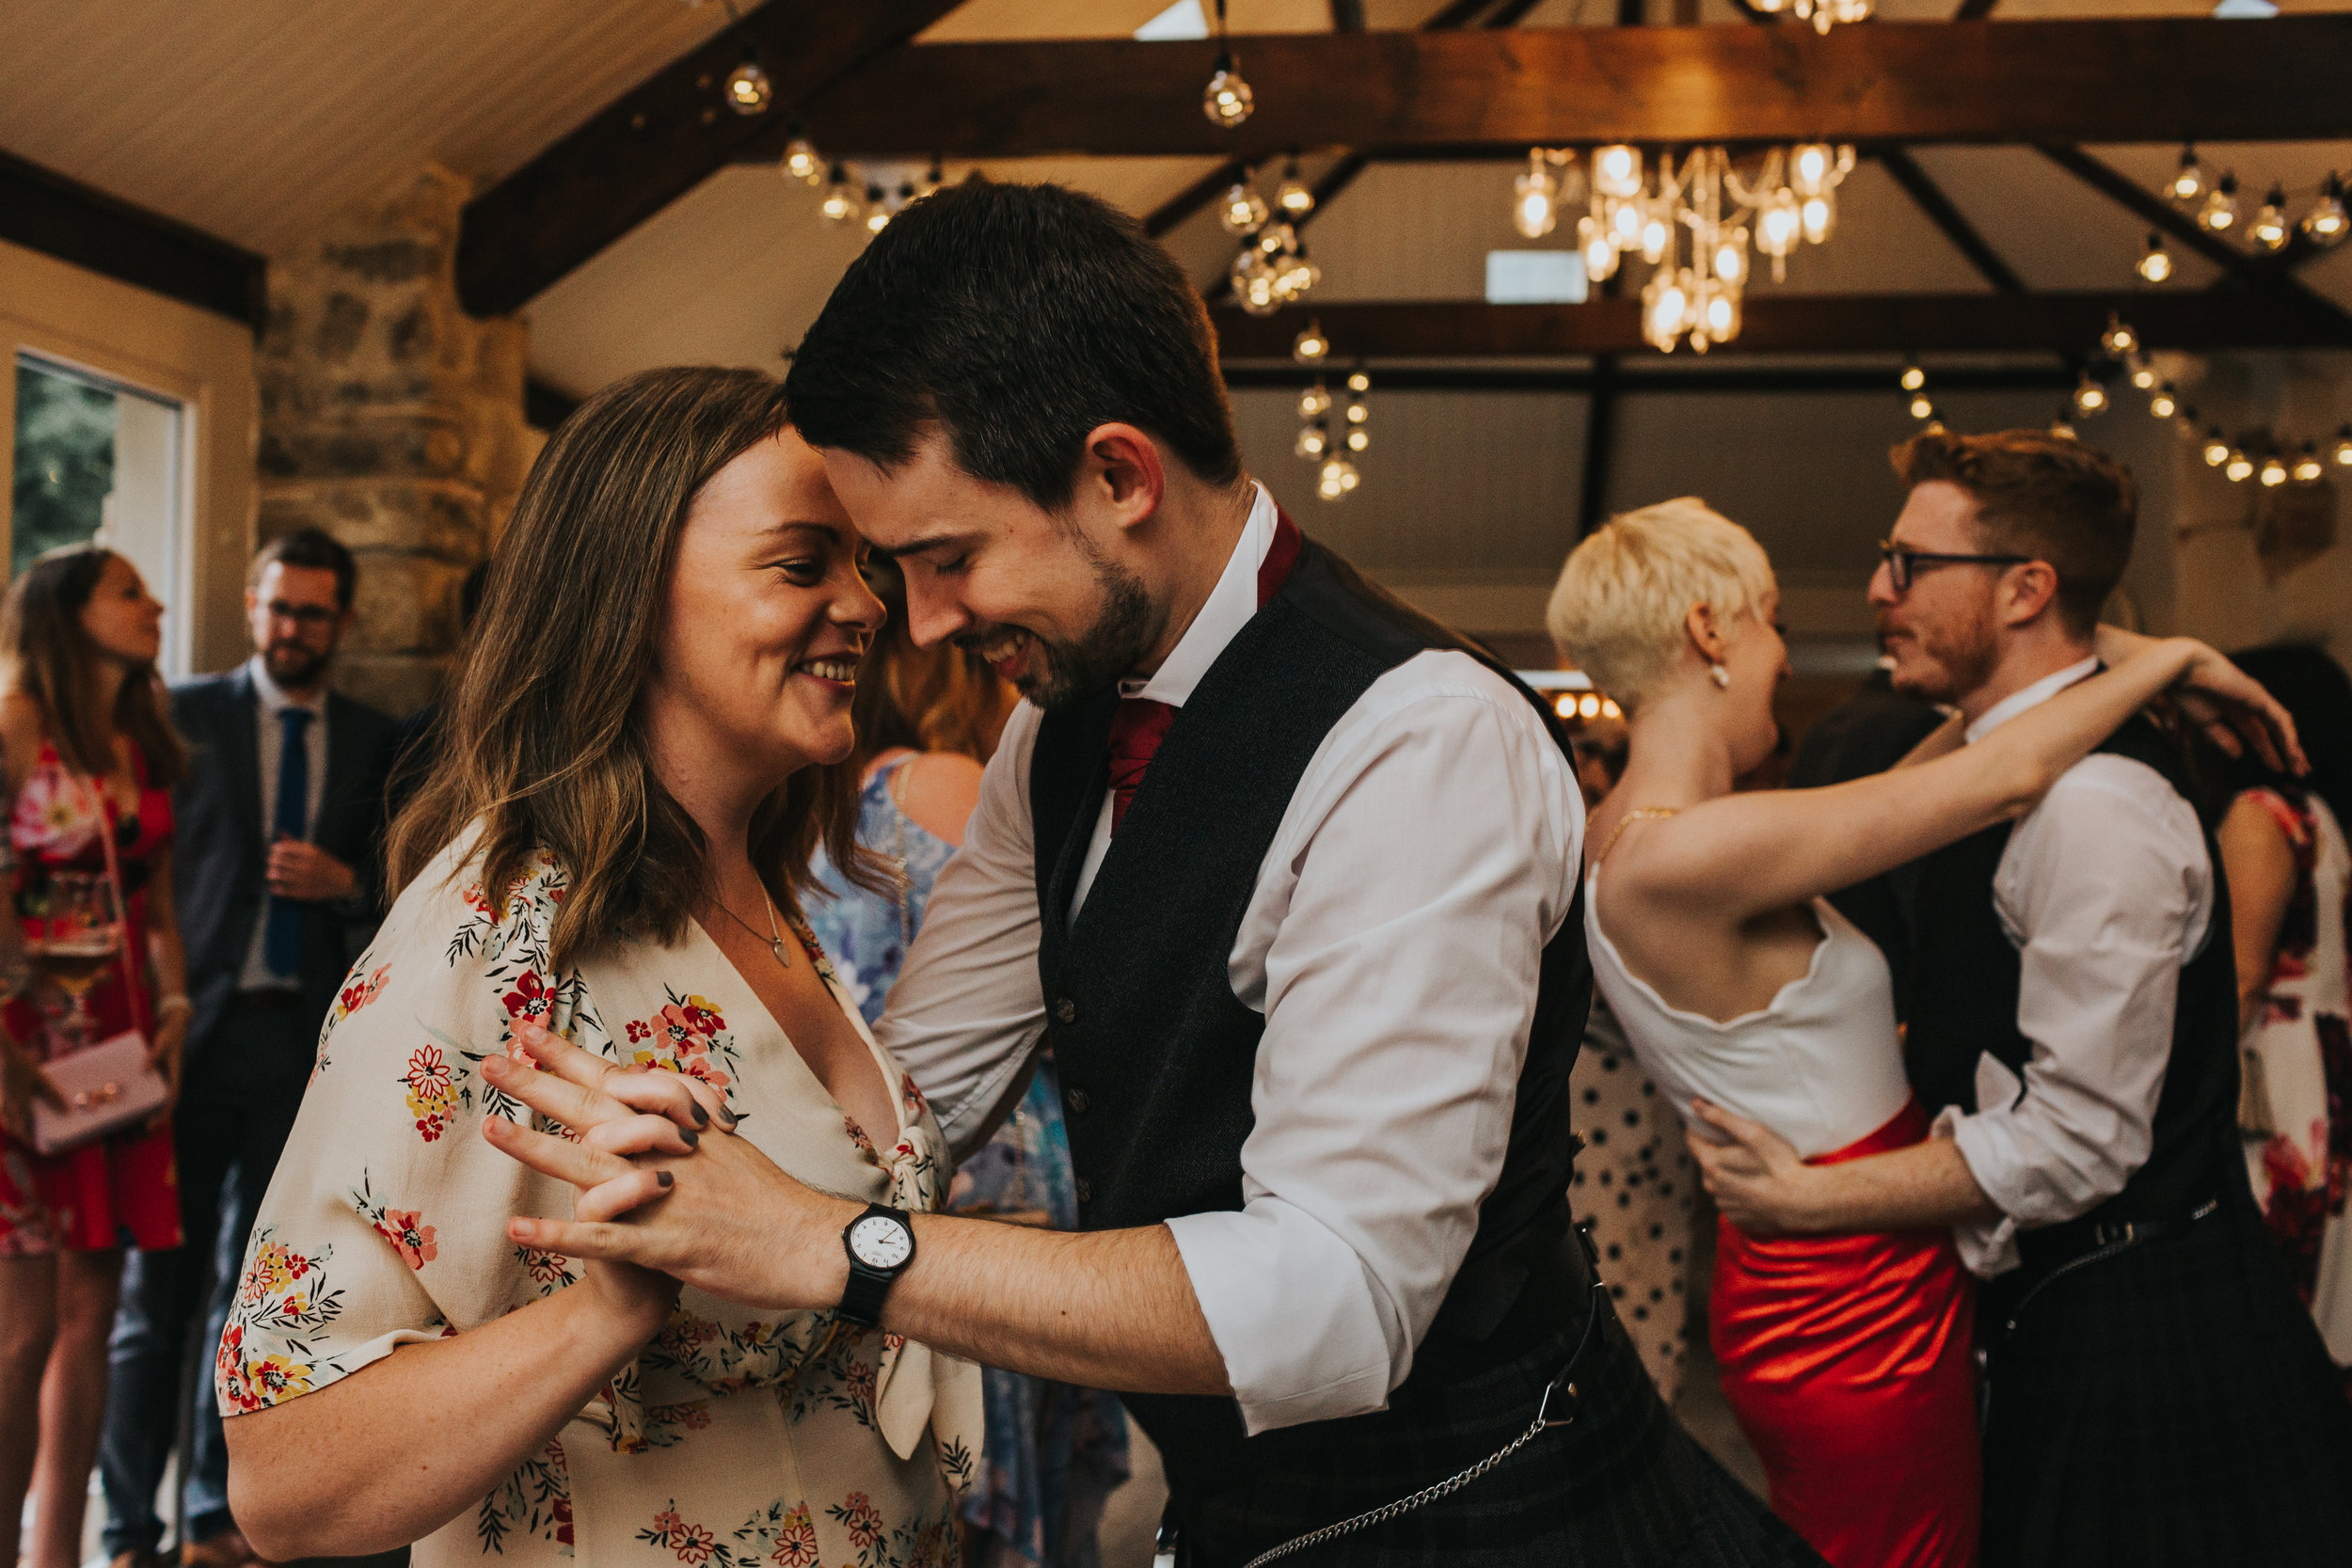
270 699
2106 890
1428 854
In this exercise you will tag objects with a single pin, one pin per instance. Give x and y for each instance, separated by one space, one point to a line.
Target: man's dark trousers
232 1126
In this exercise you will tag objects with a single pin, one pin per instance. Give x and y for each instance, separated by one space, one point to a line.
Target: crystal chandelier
1695 227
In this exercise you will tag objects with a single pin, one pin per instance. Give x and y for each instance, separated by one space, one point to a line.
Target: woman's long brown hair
545 747
46 656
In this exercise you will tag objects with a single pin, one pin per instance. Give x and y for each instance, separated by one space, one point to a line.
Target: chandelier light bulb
1665 310
1731 258
801 161
2143 374
1310 345
2238 469
1718 316
1913 378
1921 406
2270 228
2327 222
1657 228
1778 225
1316 401
1313 443
1359 382
1227 100
1810 167
2308 468
1600 254
876 214
1819 216
1617 171
2166 402
2216 450
2221 208
748 89
2090 397
2119 340
2189 181
840 203
2273 472
1535 199
1359 439
1624 225
1244 211
2342 452
2156 265
1293 197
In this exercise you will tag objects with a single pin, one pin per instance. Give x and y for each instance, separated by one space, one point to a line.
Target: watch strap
868 1286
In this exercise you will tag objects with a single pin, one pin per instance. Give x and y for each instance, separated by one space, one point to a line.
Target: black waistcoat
1964 993
1155 1052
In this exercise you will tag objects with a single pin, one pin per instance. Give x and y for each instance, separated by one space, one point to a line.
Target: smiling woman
650 736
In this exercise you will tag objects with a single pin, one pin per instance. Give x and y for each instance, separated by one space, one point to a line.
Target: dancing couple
2061 1118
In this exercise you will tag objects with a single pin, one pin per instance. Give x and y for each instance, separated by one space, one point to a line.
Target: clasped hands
662 1181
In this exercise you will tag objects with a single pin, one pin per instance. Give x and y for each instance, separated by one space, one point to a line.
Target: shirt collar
1230 606
2033 696
273 697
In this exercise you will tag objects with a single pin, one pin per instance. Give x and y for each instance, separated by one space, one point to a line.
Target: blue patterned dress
1054 1452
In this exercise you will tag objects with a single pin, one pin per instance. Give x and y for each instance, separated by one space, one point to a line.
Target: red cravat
1141 723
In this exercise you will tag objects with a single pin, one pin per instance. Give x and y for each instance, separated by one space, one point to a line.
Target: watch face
881 1242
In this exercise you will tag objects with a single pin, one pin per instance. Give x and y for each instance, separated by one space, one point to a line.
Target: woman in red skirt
87 752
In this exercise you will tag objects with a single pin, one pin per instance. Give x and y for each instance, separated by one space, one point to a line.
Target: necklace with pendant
775 935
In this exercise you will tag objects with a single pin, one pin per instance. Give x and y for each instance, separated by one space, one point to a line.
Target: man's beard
1945 664
1124 631
289 664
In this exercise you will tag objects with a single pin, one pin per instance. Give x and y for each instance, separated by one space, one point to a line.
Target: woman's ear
1706 637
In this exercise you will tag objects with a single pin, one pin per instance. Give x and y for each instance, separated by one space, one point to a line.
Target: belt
2079 1244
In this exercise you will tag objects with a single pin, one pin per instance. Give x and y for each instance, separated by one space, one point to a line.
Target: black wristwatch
880 1244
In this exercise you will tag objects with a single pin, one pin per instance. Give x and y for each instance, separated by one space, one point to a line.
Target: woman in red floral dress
87 752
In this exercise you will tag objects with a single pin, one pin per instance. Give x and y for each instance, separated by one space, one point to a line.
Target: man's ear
2027 592
1122 470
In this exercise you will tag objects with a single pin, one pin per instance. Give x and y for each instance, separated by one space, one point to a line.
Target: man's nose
1883 585
932 616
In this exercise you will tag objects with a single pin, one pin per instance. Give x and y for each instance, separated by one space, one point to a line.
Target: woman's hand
1758 1180
22 1083
166 1056
2215 695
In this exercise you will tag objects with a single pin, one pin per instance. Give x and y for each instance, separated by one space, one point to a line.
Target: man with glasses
278 828
2154 1393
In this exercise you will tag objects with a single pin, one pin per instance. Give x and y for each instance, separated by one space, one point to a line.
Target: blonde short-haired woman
1846 1357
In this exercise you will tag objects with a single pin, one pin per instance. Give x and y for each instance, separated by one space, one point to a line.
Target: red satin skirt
1848 1360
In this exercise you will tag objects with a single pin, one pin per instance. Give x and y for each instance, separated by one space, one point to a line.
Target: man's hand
308 874
1758 1180
694 1202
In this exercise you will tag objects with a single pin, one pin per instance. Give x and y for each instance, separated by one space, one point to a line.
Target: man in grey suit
278 851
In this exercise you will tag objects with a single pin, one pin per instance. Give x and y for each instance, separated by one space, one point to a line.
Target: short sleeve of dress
385 1222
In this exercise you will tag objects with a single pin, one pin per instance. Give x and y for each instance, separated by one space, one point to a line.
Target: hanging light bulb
2221 208
2327 222
2156 265
1359 439
840 203
1778 226
2165 404
1665 309
1657 220
2120 341
2270 228
1913 378
2216 450
1294 277
1922 407
2273 472
1358 412
877 215
1625 224
1313 443
2189 181
2308 468
932 180
2090 397
1227 100
2239 468
2342 452
1811 167
801 161
1731 258
1293 197
2062 428
1252 277
1316 401
1718 316
1244 211
747 87
1617 171
1277 239
1359 382
1310 345
1600 254
2143 374
1335 478
1535 197
1819 216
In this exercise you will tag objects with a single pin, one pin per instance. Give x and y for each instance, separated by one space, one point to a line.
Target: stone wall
394 421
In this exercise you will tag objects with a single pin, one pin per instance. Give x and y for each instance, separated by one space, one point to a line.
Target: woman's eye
805 574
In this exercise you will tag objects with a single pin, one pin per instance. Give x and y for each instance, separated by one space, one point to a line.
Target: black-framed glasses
310 617
1902 564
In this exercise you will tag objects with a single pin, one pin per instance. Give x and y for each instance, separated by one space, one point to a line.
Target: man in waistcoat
1286 876
2155 1392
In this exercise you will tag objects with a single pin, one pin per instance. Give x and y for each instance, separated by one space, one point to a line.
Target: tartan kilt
2171 1404
1622 1486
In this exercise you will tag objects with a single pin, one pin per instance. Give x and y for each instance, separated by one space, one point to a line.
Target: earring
1720 676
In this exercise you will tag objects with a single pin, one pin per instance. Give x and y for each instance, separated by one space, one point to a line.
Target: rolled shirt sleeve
2107 889
1394 946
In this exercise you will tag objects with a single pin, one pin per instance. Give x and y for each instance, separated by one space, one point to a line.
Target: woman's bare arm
168 1030
401 1447
2259 865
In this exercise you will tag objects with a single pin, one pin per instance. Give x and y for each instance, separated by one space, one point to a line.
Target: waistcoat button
1085 1190
1076 1099
1066 1012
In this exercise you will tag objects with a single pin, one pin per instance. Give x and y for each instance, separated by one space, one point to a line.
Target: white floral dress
735 1437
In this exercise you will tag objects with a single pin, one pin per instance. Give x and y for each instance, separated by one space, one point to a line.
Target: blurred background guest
281 826
2289 871
88 754
927 720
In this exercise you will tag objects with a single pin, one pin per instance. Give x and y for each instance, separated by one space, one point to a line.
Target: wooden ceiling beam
1930 199
660 139
44 210
2141 79
2065 324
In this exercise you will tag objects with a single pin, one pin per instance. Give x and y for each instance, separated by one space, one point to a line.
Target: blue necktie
281 939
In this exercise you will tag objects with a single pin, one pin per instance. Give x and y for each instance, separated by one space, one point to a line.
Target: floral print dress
736 1436
2298 1070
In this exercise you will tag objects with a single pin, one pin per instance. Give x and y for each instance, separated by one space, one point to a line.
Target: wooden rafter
44 210
1477 90
660 139
2064 323
1930 199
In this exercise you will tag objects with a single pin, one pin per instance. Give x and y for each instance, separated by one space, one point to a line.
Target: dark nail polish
702 1118
692 1138
666 1177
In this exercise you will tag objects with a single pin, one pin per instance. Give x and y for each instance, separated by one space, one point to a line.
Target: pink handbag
113 1085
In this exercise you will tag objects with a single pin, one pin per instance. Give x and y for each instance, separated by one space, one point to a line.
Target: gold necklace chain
775 935
1639 814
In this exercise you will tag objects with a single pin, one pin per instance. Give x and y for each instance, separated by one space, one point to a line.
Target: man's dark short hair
2043 496
1015 319
313 547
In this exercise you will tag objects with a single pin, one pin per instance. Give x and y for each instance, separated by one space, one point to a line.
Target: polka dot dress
1635 1186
